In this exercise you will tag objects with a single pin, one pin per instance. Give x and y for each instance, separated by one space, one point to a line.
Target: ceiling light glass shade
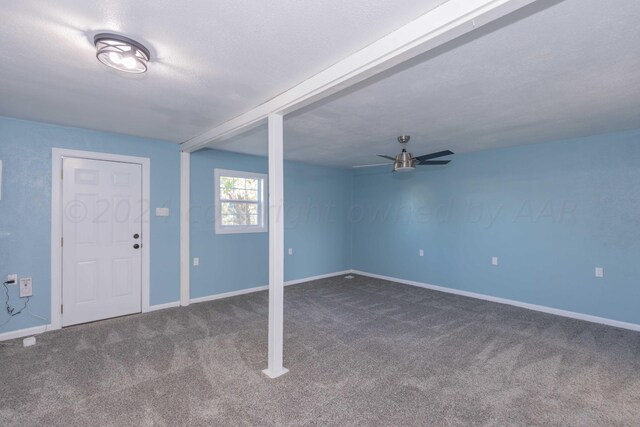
404 162
121 53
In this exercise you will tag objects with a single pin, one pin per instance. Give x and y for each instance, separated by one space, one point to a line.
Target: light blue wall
316 227
228 262
25 208
317 201
551 213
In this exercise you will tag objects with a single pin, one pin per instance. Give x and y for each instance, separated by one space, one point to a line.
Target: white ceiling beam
441 25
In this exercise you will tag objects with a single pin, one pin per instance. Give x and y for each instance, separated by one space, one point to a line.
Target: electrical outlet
421 252
13 277
196 261
599 272
26 288
494 260
290 251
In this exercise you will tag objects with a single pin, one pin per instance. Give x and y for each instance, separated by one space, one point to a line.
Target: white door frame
56 223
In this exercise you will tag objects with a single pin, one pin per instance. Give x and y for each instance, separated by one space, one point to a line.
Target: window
240 200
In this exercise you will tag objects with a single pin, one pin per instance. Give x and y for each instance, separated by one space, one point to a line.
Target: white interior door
102 240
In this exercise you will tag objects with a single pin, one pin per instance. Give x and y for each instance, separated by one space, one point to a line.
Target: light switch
162 211
421 252
290 251
196 261
494 260
599 272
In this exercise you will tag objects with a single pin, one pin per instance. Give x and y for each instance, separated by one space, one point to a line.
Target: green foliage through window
239 201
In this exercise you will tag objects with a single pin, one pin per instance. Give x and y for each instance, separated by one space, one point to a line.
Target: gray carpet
360 352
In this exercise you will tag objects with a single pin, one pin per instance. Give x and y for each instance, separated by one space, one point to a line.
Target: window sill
240 230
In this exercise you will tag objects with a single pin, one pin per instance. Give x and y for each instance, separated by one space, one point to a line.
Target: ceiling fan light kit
404 162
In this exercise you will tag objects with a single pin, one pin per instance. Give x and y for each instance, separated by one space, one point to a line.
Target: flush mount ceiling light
121 53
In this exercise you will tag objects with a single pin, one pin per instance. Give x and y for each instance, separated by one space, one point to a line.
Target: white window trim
263 205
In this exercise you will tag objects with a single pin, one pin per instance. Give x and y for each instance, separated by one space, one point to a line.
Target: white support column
276 247
185 265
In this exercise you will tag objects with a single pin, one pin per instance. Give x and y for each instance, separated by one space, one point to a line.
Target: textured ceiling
212 60
565 69
568 70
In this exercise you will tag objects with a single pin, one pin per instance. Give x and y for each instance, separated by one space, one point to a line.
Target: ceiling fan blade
370 166
434 162
434 155
386 157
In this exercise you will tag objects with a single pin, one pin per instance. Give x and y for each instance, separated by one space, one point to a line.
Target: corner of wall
349 222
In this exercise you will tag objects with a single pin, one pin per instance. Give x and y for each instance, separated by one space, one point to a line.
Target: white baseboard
40 329
44 328
265 287
535 307
24 332
322 276
228 294
163 306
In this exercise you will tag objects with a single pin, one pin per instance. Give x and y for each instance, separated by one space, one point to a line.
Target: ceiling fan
405 162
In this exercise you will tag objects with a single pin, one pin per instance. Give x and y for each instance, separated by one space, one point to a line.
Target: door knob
135 236
136 246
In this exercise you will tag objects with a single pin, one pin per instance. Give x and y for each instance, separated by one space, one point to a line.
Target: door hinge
61 308
61 173
62 241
